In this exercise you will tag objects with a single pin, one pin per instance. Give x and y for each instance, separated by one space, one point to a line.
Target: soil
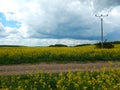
54 67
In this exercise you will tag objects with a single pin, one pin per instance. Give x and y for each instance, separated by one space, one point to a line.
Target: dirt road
53 67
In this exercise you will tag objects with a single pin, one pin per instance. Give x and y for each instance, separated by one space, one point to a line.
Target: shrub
105 45
82 45
58 45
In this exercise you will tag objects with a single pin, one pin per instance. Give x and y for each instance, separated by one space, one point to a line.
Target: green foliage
115 42
11 46
97 80
82 45
105 45
58 45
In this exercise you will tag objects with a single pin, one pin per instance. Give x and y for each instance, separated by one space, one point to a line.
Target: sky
47 22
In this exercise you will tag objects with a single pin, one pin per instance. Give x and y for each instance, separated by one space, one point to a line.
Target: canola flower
57 54
88 80
104 79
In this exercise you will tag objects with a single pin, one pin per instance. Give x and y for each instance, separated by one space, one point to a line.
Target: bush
105 45
115 42
58 45
82 45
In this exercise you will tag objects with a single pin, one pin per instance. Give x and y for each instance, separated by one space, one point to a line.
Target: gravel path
53 67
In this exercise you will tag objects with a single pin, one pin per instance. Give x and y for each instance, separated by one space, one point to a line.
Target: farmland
20 55
89 80
106 78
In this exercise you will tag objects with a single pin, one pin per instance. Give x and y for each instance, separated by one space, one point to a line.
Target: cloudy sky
46 22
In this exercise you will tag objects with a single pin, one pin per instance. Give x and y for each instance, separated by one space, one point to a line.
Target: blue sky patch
13 24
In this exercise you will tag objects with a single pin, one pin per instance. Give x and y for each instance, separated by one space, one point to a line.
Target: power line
101 19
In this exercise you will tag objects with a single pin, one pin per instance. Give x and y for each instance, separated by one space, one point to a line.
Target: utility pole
101 19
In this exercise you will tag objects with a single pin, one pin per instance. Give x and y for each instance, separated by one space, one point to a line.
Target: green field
97 80
18 55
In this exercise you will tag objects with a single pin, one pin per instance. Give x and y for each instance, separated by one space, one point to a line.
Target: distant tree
58 45
11 46
81 45
115 42
105 45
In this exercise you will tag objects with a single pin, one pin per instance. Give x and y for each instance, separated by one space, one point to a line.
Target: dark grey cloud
105 4
73 20
64 20
114 35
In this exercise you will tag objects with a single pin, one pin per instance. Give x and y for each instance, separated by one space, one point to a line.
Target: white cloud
42 42
57 20
2 31
1 27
